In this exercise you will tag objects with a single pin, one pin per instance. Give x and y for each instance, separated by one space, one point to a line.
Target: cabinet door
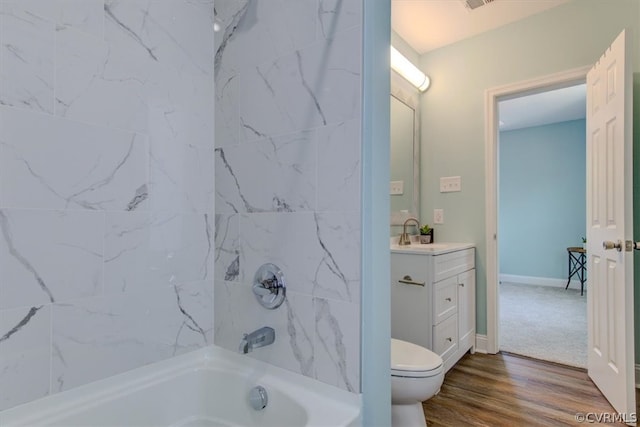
410 303
467 309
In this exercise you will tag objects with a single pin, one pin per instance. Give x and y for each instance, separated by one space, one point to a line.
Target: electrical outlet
450 184
396 187
438 216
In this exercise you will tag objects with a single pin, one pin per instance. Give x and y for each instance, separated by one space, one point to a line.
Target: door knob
612 245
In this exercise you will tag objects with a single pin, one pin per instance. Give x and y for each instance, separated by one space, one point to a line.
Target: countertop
429 249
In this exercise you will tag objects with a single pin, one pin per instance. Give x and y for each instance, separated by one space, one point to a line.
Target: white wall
288 147
106 188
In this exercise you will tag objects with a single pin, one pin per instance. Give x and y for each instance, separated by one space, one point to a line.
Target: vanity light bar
406 69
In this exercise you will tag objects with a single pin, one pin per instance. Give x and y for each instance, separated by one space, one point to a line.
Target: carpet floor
544 322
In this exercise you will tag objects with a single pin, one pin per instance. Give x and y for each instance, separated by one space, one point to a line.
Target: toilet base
408 415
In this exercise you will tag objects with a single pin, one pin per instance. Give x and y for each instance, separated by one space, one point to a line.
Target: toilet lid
406 356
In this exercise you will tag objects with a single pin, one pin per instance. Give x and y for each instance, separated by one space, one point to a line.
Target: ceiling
430 24
544 108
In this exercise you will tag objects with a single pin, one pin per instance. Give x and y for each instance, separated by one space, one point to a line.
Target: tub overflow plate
258 398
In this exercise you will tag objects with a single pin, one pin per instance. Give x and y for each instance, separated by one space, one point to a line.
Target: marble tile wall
106 188
287 175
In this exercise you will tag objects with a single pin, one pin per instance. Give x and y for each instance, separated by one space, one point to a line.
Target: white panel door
610 219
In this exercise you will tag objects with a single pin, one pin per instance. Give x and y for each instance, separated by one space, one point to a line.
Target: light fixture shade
406 69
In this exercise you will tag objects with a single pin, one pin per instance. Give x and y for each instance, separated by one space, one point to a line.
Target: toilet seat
413 361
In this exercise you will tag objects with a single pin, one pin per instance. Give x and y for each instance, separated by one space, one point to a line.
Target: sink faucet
404 237
259 338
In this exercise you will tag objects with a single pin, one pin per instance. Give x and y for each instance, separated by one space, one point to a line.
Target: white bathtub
208 387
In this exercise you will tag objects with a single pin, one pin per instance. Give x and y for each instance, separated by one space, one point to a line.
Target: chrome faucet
259 338
405 239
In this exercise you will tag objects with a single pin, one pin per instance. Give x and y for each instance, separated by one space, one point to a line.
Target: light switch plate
438 216
396 187
450 184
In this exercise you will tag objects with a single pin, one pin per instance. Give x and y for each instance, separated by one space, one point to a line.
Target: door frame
492 96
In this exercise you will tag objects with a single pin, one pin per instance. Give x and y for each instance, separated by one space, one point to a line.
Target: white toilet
416 375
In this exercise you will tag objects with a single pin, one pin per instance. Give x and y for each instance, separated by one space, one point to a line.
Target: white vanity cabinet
433 298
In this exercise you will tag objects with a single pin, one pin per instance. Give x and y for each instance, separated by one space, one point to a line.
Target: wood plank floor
510 390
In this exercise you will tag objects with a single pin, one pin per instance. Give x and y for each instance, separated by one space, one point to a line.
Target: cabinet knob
461 284
449 339
448 299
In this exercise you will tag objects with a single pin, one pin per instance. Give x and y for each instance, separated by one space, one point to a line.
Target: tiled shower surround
108 236
287 162
106 188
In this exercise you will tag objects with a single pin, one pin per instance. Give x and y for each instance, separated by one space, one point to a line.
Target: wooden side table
577 265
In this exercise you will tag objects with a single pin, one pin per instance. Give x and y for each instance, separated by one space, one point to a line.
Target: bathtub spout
244 345
259 338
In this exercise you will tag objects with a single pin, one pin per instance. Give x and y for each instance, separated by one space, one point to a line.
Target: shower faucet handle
269 287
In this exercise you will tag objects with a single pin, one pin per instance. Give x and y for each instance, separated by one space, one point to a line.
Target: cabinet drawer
414 266
445 299
445 337
452 263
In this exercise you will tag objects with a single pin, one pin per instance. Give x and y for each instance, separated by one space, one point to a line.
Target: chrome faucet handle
263 291
268 286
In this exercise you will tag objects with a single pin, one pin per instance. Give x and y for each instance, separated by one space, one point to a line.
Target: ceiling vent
474 4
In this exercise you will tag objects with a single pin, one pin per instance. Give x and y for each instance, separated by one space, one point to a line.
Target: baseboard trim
482 344
539 281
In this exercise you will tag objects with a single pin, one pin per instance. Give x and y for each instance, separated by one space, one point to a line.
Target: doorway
492 96
542 213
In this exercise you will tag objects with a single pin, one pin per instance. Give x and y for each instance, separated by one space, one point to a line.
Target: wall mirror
404 154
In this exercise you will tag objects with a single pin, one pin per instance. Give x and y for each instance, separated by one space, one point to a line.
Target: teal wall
542 189
568 36
375 320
